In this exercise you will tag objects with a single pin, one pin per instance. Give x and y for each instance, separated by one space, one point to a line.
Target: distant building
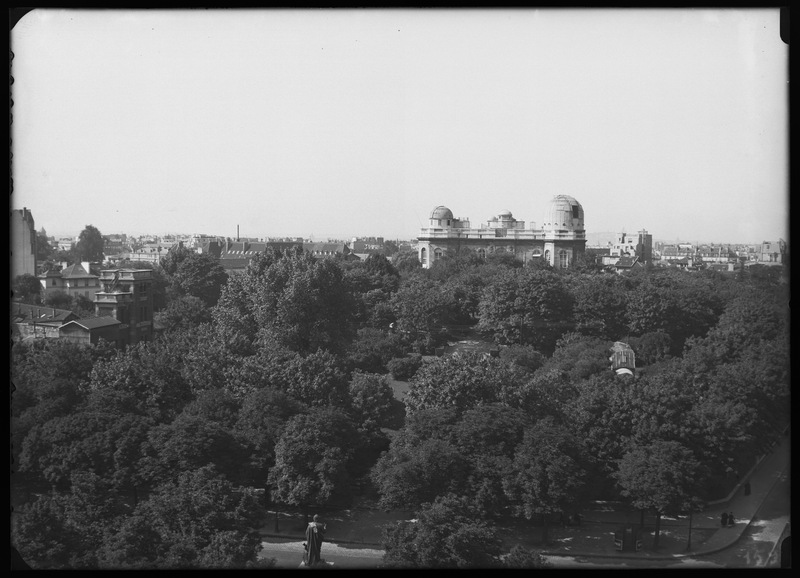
639 245
74 280
559 240
327 249
91 330
127 296
148 255
65 243
199 239
234 256
772 252
676 252
624 264
23 243
114 244
37 321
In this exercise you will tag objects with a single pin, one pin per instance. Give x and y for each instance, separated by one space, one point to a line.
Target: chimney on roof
86 265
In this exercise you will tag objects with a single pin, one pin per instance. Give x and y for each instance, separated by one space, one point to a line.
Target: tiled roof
76 271
229 263
325 248
24 312
93 322
626 262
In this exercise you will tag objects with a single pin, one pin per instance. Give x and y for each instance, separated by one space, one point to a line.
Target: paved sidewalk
595 536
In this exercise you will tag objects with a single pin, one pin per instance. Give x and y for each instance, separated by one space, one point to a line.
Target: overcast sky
341 123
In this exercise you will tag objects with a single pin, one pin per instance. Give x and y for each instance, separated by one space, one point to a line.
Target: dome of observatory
564 212
441 212
505 215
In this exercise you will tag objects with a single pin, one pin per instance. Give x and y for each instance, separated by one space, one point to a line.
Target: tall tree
200 520
188 443
44 251
26 289
313 458
293 299
447 533
421 307
525 306
408 476
662 476
199 275
90 245
548 474
463 381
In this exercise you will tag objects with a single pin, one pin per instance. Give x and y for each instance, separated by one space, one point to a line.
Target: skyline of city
342 123
593 238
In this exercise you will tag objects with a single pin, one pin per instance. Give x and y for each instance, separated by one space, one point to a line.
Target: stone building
559 240
627 245
74 280
127 296
23 243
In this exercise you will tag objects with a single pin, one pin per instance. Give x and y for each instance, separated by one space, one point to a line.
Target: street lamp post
689 542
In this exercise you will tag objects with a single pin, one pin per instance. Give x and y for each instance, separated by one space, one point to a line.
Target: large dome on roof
441 212
564 212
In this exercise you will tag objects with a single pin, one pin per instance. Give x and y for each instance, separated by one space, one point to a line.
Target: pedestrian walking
724 519
731 520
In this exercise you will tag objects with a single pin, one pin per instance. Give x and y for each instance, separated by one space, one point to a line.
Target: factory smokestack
237 233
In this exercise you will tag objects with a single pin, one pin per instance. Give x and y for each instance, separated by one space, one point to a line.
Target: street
754 549
289 554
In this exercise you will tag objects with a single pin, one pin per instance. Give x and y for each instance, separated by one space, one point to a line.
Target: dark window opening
574 211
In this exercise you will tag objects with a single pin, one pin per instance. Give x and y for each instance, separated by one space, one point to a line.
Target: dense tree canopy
149 457
464 381
293 299
313 459
525 306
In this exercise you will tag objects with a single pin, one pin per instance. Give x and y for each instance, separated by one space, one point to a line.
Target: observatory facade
559 240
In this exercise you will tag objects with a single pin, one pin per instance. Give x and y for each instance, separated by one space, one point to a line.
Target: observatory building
559 239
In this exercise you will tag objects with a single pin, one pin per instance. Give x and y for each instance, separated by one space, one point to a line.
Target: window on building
547 255
423 256
575 213
482 253
437 254
563 259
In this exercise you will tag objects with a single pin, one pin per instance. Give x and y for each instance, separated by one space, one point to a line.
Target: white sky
341 123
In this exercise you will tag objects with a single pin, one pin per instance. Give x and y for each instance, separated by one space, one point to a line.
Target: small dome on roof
441 212
505 215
